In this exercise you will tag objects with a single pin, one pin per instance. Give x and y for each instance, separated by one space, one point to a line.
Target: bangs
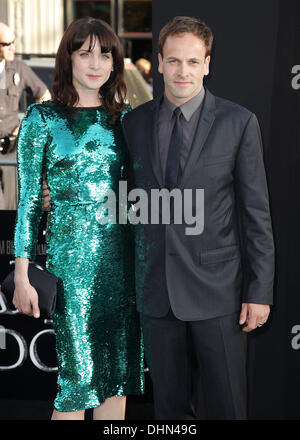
95 31
91 30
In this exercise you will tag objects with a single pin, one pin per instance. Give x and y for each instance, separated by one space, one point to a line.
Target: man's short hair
183 25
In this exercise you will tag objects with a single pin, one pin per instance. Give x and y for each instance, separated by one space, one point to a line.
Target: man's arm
258 246
128 174
34 86
46 96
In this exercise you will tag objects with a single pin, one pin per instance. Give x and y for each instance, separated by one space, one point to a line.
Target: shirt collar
2 65
188 108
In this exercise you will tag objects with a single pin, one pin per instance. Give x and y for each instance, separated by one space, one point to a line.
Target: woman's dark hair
113 92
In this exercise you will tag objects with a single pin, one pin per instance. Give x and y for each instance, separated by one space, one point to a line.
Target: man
15 77
199 295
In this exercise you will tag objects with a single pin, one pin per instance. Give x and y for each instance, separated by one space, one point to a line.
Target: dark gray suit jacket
232 261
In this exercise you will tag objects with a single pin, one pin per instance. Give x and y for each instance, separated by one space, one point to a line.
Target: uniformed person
15 77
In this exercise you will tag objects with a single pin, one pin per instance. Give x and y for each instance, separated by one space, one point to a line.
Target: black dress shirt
190 116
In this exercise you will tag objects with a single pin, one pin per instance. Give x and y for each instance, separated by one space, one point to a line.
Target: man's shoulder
229 109
225 106
20 65
27 74
14 65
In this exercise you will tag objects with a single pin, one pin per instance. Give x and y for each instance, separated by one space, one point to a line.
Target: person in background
145 69
76 141
15 77
138 91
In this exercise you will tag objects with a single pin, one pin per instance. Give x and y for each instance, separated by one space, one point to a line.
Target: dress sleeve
32 140
126 110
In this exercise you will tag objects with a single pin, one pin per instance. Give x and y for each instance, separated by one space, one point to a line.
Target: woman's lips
93 76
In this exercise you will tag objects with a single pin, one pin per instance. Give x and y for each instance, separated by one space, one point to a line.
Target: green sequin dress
98 339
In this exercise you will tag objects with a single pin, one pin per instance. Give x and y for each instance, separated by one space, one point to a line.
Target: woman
76 141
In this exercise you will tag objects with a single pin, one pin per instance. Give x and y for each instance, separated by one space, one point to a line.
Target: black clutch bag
44 282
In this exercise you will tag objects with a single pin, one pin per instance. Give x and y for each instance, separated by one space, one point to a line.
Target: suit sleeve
128 174
254 215
31 145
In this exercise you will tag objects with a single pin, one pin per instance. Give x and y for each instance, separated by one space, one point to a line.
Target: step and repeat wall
27 345
256 63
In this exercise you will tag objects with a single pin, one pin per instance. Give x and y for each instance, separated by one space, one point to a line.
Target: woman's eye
84 54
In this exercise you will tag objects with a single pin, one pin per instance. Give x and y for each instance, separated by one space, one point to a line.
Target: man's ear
206 65
160 63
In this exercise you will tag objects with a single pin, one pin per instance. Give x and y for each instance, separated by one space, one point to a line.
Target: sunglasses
7 44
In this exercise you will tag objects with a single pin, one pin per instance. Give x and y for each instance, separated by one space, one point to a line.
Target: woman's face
91 69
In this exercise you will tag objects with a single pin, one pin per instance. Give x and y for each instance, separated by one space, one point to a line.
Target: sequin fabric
98 339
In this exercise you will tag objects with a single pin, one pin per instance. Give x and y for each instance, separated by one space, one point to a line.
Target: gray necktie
173 158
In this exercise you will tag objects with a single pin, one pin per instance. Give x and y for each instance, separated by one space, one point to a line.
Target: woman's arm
25 296
32 140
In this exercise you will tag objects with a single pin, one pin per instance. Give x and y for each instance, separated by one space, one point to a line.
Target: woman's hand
26 299
46 197
25 296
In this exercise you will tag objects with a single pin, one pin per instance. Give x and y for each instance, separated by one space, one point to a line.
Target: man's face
7 52
183 66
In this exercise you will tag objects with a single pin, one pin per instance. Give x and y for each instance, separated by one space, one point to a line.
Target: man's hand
46 96
16 130
46 197
253 315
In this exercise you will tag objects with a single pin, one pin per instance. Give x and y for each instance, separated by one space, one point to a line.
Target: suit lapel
153 143
205 124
